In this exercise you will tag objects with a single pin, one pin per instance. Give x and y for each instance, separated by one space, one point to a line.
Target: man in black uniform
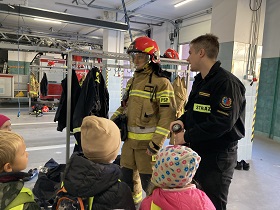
214 119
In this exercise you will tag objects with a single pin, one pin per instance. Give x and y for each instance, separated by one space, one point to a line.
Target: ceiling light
47 20
181 3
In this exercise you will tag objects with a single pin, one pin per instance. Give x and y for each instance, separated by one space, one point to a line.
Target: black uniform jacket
61 112
93 99
84 178
214 117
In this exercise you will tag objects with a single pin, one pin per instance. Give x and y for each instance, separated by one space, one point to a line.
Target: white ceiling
143 13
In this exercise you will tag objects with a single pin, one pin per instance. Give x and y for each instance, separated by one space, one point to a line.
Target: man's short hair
209 43
9 144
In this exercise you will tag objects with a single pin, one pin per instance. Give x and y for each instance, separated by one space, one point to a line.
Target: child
5 123
93 174
14 159
172 179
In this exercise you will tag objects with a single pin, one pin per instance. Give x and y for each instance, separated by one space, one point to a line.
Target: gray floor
256 189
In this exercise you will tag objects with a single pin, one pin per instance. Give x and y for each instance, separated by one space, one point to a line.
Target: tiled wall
234 57
267 121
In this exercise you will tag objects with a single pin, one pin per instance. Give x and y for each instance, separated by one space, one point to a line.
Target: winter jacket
214 117
189 198
84 178
150 109
11 189
61 112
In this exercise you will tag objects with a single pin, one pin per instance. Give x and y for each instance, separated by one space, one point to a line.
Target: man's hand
176 122
179 138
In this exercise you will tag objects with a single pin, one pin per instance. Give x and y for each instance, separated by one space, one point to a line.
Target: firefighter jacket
150 108
179 86
13 195
214 115
61 112
84 178
44 85
34 86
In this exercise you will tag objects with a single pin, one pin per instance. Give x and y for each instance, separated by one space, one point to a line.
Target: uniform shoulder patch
226 102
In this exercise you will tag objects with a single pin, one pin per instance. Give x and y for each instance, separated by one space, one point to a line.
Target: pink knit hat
175 166
3 119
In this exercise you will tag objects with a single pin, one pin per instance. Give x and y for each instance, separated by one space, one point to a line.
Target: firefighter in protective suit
150 107
179 86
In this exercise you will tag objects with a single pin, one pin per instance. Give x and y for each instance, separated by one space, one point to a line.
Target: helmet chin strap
144 67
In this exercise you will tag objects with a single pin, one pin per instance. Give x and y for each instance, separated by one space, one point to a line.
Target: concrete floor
256 189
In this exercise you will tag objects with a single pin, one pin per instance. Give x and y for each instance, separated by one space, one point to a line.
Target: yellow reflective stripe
162 131
141 130
148 49
165 93
202 108
137 198
140 93
97 77
154 206
140 136
127 86
90 202
145 94
19 207
76 130
116 113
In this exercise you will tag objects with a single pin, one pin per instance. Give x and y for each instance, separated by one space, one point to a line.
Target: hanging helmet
145 45
170 53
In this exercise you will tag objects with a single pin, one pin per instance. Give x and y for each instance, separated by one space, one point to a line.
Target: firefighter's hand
179 138
176 122
148 152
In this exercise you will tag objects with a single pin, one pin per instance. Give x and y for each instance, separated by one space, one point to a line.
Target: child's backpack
65 201
48 183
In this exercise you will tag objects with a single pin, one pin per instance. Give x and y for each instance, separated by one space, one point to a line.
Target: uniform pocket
226 160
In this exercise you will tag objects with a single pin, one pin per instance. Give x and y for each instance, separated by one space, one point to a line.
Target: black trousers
215 173
128 178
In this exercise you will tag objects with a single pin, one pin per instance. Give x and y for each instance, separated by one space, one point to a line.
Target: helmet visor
139 59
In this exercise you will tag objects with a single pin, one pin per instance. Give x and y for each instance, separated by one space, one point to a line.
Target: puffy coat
84 178
189 198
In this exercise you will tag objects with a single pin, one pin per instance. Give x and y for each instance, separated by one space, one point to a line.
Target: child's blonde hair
9 144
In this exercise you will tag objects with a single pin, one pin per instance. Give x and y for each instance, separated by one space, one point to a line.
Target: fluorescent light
47 20
181 3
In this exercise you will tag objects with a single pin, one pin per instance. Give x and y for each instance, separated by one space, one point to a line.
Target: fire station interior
45 39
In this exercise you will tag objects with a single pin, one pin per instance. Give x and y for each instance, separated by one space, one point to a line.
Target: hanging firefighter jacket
34 86
93 100
44 85
61 113
179 86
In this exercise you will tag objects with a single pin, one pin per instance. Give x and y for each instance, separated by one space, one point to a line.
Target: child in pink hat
5 123
171 182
